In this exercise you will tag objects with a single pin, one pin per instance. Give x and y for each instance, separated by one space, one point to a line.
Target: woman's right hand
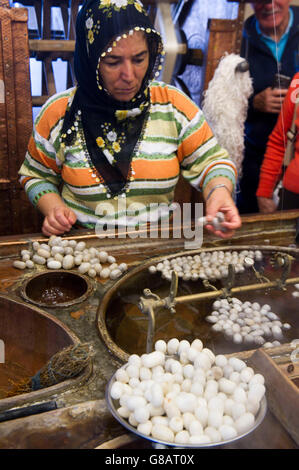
266 205
60 219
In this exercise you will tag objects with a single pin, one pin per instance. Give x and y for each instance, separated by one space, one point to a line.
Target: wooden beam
48 45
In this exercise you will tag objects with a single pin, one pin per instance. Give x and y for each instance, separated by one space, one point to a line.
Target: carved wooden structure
16 213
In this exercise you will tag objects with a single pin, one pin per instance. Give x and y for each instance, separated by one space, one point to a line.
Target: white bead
38 259
141 415
29 264
123 412
105 273
256 392
199 439
115 274
134 402
176 424
215 418
121 376
236 363
227 432
220 360
162 433
116 390
145 428
161 345
173 345
247 374
202 414
53 264
244 423
84 268
227 386
19 264
182 437
238 410
239 395
213 434
195 428
80 246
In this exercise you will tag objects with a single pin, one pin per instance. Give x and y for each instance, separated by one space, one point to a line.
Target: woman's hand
266 205
58 217
220 200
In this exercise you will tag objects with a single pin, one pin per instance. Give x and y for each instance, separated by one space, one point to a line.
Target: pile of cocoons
207 265
60 253
295 293
183 394
247 322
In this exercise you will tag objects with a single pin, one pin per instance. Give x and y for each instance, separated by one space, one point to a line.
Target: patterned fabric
176 139
272 165
111 128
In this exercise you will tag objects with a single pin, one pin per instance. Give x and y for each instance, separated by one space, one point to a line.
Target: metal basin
56 288
124 328
30 337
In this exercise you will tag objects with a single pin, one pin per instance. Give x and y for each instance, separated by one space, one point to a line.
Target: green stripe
40 147
201 158
36 173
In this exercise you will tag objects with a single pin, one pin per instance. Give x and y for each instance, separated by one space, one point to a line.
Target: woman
119 136
271 169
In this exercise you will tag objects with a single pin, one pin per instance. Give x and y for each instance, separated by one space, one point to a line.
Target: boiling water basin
29 338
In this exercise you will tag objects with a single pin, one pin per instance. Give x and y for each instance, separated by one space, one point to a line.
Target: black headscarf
111 128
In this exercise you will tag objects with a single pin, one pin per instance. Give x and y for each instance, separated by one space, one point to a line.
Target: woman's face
123 69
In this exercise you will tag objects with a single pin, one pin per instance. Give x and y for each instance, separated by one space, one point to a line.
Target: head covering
111 129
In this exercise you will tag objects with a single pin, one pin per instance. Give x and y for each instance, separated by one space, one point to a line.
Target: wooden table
82 419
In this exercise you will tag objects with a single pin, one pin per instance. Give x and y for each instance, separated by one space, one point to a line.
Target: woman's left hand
221 201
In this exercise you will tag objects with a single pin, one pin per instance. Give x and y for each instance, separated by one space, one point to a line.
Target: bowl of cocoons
183 395
247 322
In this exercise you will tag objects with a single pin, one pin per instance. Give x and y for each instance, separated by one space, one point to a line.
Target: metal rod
233 290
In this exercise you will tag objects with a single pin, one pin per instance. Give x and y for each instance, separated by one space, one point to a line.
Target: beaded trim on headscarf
110 142
124 36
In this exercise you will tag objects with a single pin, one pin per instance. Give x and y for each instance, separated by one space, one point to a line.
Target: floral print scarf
111 130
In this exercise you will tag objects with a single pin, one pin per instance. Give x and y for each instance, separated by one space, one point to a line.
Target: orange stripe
164 95
51 116
157 169
24 181
78 176
39 156
194 141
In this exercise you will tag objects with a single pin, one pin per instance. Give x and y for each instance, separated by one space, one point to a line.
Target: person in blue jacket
270 44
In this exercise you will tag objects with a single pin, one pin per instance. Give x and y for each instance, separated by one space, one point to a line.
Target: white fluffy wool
225 106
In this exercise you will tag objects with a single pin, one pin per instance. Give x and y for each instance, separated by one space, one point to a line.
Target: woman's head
123 69
117 50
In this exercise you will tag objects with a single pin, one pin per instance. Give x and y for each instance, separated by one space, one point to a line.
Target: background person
119 134
271 168
270 44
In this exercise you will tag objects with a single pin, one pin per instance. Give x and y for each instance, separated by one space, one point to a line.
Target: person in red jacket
272 166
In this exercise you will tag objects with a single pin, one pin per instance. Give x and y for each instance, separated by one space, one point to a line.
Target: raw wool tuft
225 106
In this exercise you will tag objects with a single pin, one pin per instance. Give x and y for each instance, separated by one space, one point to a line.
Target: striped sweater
176 139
